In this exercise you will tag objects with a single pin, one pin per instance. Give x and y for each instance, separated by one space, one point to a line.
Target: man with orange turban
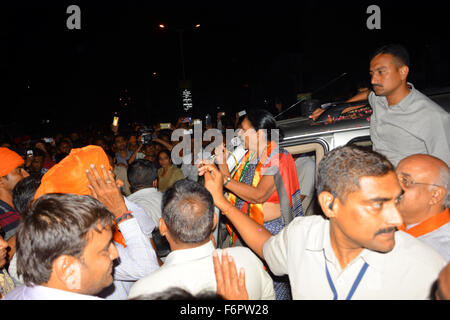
11 172
87 171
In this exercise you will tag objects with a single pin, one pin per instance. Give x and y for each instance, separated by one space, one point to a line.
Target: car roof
304 127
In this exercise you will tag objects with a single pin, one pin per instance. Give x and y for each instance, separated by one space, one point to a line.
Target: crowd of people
112 215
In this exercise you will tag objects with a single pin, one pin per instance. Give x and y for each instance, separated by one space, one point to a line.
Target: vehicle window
364 142
307 157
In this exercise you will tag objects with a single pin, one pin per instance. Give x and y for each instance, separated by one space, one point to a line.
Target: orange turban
9 160
69 175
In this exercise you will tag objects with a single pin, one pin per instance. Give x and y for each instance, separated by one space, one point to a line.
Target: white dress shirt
406 272
137 259
193 270
44 293
438 239
150 200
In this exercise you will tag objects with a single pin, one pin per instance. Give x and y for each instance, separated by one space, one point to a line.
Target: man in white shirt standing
356 252
65 249
143 178
187 222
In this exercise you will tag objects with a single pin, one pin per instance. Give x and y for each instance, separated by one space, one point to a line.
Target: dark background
245 54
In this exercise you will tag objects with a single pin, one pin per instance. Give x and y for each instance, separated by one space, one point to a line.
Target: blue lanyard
355 284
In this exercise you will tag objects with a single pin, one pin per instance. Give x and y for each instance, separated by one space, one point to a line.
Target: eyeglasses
407 183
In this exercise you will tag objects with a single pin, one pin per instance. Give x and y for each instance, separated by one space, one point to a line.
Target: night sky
243 54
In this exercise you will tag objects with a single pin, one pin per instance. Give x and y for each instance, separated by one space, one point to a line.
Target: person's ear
437 196
327 202
404 70
162 227
3 182
155 183
68 270
214 221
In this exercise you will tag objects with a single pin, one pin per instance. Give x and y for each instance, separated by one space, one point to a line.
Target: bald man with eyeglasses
424 207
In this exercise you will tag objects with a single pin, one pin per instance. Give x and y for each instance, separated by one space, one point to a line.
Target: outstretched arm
252 233
363 95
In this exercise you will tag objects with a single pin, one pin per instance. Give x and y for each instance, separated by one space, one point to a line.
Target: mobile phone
116 121
165 125
208 120
48 140
29 153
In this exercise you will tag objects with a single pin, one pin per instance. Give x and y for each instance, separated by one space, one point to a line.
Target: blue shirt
120 159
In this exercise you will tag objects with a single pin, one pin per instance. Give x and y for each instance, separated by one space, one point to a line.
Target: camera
146 134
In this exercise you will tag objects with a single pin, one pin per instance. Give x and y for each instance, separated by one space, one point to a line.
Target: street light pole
184 84
180 36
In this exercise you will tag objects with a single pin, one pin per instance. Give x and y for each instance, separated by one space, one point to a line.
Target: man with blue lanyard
353 253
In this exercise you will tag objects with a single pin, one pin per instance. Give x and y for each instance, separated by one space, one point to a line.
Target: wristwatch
125 216
227 180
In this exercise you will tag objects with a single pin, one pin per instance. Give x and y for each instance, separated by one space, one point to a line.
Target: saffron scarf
250 173
430 224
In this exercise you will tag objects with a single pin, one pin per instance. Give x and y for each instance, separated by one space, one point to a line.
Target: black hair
188 211
97 138
38 152
176 293
124 136
60 156
57 224
110 153
167 152
398 51
165 133
341 169
141 174
65 140
262 119
23 193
